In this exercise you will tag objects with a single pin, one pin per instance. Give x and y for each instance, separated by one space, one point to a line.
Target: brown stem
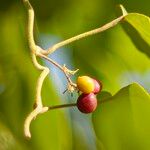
62 106
83 35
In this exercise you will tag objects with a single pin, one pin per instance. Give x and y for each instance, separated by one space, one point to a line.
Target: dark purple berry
87 103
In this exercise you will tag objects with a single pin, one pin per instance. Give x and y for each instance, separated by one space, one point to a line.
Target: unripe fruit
87 103
85 84
97 86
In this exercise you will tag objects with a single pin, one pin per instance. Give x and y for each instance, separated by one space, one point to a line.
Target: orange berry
85 84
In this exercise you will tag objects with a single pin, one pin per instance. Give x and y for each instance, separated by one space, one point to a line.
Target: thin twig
62 106
83 35
51 61
62 68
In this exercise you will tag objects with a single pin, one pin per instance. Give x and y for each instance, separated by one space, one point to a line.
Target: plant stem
51 61
30 26
63 69
62 106
38 111
83 35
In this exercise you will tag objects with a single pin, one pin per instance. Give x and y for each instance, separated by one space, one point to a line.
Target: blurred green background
109 56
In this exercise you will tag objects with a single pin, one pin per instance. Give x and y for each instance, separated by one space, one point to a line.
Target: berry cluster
87 101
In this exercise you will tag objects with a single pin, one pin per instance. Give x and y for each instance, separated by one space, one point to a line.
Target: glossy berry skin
97 86
87 103
85 84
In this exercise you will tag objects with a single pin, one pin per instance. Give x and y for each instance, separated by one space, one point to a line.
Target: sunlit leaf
137 27
122 121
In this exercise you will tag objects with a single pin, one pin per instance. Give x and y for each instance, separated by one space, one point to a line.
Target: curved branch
83 35
31 116
28 120
40 110
39 85
38 102
30 25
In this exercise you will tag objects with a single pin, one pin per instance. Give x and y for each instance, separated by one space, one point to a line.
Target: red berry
87 103
97 86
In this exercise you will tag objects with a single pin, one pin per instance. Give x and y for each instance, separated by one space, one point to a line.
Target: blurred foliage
110 56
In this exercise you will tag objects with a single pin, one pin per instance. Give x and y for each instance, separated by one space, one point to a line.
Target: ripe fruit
87 103
97 86
85 84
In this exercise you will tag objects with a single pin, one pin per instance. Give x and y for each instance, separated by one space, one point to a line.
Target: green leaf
137 26
122 122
